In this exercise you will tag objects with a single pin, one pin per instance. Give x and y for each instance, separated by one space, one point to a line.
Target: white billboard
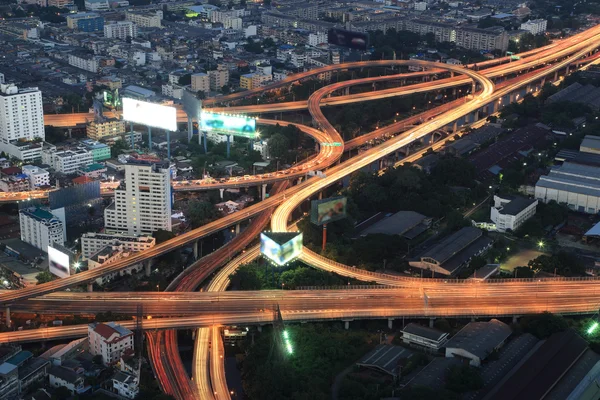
59 263
150 114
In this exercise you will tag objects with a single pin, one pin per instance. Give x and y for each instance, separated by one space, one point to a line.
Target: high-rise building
120 30
40 228
145 20
103 128
219 77
535 26
21 114
200 82
142 204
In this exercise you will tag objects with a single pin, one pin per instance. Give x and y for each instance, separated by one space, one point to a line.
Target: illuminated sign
228 124
281 247
333 144
328 210
58 262
150 114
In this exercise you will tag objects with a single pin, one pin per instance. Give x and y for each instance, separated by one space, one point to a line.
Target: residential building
40 228
96 5
94 171
453 252
85 22
103 128
100 151
510 212
420 6
171 90
38 177
576 185
15 183
60 3
200 82
63 377
419 335
110 254
109 340
21 115
92 243
85 61
66 161
145 20
233 23
125 385
251 81
535 26
30 370
315 39
27 151
142 204
111 82
219 77
477 340
306 11
120 30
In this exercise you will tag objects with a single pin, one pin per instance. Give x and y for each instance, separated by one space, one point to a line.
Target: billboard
342 37
281 247
191 104
327 210
59 262
228 124
150 114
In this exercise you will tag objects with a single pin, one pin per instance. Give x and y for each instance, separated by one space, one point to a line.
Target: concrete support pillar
205 143
237 229
473 87
320 195
148 267
299 180
497 104
7 313
543 81
515 319
149 138
555 75
451 74
455 127
228 146
90 287
431 322
132 136
476 116
196 249
168 145
390 323
347 91
472 319
259 328
346 325
194 334
70 133
567 71
221 192
263 191
190 128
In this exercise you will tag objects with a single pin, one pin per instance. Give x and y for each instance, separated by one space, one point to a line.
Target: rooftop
65 374
452 244
480 338
385 358
393 224
516 205
423 331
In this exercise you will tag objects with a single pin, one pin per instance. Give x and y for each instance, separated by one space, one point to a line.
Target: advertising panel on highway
281 247
342 37
59 262
150 114
241 126
327 210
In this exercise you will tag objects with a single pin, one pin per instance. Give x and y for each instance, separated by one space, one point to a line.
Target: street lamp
541 244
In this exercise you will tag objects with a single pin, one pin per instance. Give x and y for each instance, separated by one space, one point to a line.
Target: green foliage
44 277
278 145
201 212
119 147
464 378
543 325
185 80
317 347
97 359
253 47
162 235
523 272
564 263
442 324
247 277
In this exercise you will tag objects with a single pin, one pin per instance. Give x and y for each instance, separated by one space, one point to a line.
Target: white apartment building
200 82
88 63
144 204
59 376
171 90
109 340
21 114
92 243
315 39
67 161
510 212
535 26
120 30
96 5
145 20
126 385
420 5
219 77
298 59
233 23
40 228
37 176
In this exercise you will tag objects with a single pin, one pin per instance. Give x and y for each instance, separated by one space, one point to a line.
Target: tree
201 212
61 393
463 378
523 272
43 277
278 146
162 235
97 359
543 325
246 277
118 147
185 80
200 95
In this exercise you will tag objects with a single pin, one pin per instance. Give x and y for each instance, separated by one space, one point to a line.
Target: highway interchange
447 297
